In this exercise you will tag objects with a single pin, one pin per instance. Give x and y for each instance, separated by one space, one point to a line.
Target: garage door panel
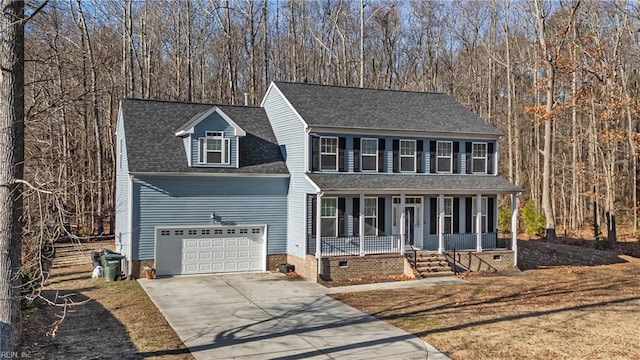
209 250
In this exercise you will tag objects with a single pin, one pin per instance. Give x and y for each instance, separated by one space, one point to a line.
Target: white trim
274 86
377 227
225 148
315 186
438 157
415 156
336 216
444 200
375 153
212 174
484 200
403 133
188 128
514 228
410 192
307 153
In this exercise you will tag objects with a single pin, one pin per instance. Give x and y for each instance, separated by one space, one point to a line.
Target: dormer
211 139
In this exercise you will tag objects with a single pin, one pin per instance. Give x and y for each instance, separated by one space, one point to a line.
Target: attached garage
181 250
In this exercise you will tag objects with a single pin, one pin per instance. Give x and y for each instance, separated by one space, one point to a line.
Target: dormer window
214 148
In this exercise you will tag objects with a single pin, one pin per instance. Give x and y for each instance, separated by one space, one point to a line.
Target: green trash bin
112 266
112 270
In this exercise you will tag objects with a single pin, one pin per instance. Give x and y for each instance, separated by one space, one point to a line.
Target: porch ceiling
414 183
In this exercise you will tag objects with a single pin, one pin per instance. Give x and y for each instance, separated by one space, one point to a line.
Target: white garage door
214 249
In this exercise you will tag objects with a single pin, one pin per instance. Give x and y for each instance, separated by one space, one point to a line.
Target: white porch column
319 232
440 224
514 228
479 223
361 224
403 229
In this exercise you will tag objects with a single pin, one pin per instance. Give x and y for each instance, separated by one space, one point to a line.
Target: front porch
394 244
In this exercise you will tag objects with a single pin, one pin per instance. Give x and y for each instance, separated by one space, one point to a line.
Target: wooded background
570 68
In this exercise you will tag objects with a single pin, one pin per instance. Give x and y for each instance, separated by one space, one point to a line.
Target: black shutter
469 158
490 214
456 157
396 156
490 158
315 150
313 215
432 157
342 144
381 158
433 210
356 154
456 215
419 158
468 218
341 217
356 216
381 219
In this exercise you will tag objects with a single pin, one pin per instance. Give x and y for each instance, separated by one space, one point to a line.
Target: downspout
318 231
130 227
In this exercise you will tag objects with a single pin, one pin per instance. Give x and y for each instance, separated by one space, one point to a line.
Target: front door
412 219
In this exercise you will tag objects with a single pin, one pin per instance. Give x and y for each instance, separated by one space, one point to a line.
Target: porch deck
391 244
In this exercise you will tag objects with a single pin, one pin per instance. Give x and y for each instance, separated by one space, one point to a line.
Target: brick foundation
491 261
349 267
307 267
137 267
274 261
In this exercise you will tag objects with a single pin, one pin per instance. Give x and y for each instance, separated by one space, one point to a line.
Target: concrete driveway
269 316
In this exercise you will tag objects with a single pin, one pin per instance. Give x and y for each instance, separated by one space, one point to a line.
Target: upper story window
479 157
408 155
444 154
329 153
369 154
214 148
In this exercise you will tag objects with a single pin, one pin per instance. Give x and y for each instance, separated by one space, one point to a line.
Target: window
479 157
214 149
255 231
244 231
448 216
165 232
369 154
205 232
408 155
444 155
371 216
329 153
329 217
231 231
217 231
483 212
178 232
192 232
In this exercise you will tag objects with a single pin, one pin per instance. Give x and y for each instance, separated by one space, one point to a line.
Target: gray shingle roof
410 182
152 146
335 106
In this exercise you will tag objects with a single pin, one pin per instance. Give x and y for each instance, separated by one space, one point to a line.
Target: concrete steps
429 264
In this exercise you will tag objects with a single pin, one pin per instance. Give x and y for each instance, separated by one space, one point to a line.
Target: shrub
533 220
504 219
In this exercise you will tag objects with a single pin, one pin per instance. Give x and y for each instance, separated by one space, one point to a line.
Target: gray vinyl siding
123 238
214 122
183 200
289 130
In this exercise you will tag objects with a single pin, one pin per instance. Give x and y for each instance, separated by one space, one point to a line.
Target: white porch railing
467 242
350 245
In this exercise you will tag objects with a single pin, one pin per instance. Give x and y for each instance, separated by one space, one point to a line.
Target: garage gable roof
153 147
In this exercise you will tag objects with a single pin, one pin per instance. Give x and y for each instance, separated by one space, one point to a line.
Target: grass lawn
564 312
114 320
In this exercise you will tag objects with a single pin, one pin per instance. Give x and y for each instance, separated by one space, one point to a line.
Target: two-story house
369 175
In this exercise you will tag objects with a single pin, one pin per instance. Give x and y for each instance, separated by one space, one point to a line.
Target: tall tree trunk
11 169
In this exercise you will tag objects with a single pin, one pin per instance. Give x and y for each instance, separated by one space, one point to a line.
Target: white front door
413 219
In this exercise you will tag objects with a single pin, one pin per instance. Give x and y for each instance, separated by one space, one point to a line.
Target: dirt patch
535 254
565 312
115 319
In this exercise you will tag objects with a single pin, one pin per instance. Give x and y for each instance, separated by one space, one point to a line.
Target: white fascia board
415 192
239 175
315 186
190 126
401 133
275 87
